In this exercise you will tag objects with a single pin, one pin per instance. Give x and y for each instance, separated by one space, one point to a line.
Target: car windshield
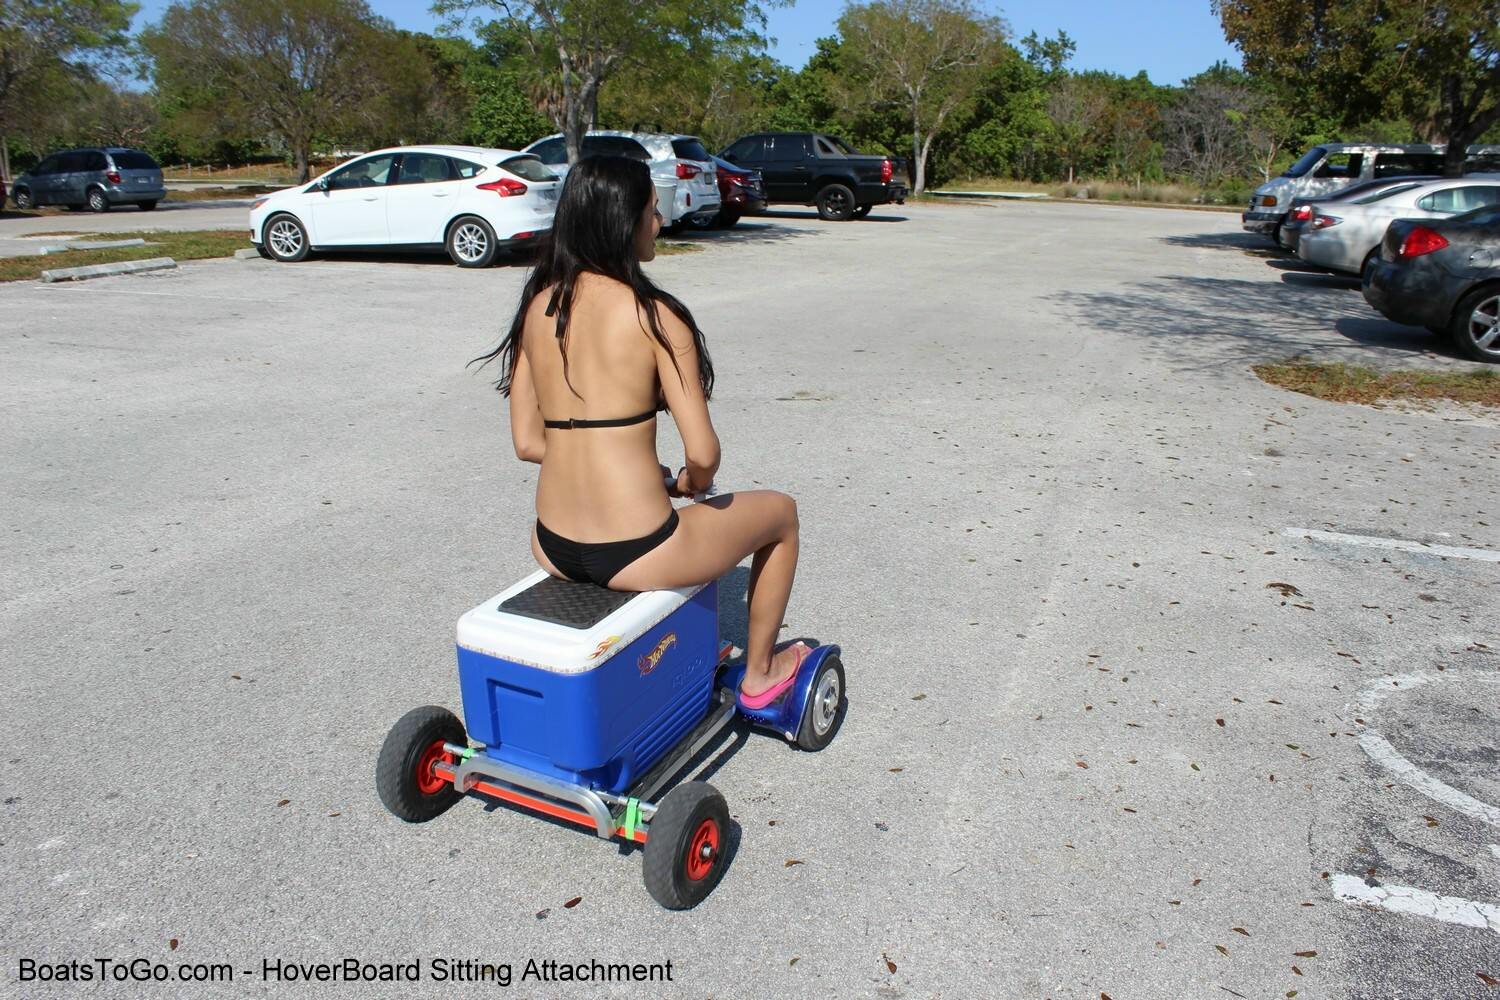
1383 195
1309 159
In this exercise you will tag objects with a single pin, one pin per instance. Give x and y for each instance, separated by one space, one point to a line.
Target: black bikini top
570 423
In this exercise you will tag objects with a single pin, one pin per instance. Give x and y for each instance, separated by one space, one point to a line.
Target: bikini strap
572 423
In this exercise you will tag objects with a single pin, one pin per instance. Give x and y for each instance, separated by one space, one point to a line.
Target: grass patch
180 246
1117 192
67 232
1342 383
219 193
665 249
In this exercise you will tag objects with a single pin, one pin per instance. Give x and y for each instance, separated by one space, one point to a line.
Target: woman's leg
711 538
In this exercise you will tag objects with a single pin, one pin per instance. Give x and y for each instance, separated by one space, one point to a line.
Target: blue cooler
584 684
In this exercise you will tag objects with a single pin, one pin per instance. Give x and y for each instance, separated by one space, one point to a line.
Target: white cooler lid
558 648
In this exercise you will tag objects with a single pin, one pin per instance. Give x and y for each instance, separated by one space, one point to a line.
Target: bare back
599 483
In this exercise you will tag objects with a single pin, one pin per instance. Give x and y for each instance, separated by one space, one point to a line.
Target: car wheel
1475 329
1371 259
146 206
471 242
727 220
97 201
285 238
704 221
23 200
862 211
835 203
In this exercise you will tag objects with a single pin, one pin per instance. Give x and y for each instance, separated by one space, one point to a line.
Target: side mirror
323 184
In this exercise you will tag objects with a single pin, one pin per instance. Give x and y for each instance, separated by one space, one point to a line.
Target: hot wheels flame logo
648 662
603 647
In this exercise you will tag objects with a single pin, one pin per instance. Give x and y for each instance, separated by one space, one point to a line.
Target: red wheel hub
703 850
429 782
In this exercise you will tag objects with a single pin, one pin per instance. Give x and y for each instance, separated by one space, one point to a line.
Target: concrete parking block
104 270
89 245
247 253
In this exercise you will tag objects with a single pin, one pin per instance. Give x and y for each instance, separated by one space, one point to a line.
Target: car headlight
257 203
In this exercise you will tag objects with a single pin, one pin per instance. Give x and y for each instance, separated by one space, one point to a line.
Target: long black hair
594 230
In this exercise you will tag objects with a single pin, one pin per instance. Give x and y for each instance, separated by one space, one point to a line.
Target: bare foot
784 663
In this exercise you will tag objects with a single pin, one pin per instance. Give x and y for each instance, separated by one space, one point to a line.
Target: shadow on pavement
1205 324
874 216
1253 243
745 232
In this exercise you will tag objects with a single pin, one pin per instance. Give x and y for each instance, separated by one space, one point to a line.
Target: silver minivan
1330 167
97 178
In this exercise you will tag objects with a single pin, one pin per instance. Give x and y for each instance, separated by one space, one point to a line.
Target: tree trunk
919 175
921 183
301 154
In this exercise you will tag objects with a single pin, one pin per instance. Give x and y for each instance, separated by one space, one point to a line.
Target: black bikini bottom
598 562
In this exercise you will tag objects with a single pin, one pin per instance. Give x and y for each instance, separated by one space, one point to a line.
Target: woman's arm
684 397
526 430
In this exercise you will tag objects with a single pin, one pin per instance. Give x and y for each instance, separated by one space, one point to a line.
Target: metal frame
603 811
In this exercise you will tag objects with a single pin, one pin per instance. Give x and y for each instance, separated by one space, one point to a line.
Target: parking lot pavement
170 216
1116 631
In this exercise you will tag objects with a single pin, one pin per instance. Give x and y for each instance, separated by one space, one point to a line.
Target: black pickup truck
807 168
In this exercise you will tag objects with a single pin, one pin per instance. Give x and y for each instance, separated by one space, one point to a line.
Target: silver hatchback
687 186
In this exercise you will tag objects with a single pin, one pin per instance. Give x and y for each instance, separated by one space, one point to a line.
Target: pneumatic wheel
285 238
471 242
825 706
24 200
835 203
404 775
146 206
97 201
1475 329
686 845
862 211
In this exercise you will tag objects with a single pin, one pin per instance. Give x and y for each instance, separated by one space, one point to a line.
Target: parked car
686 188
1443 274
469 201
1347 237
809 168
741 192
1301 214
1328 168
98 177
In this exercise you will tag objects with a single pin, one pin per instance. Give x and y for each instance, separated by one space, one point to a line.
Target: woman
595 350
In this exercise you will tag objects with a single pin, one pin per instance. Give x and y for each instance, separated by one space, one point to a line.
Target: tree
48 45
930 57
1206 133
1078 108
583 43
1436 63
297 71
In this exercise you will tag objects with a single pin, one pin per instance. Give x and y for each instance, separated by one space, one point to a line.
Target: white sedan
468 201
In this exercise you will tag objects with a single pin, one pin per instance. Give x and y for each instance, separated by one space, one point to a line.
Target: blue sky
1169 39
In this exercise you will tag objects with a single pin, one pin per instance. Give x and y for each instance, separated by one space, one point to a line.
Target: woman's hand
673 483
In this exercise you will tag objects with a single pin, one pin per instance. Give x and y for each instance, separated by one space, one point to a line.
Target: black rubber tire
23 200
728 220
1460 330
1370 260
98 201
147 206
835 203
825 708
290 244
680 820
396 777
470 242
704 222
863 210
260 248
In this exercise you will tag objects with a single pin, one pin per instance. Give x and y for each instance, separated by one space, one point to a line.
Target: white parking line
1404 899
1398 544
1388 757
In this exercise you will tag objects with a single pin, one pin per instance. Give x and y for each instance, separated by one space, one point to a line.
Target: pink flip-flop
778 689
